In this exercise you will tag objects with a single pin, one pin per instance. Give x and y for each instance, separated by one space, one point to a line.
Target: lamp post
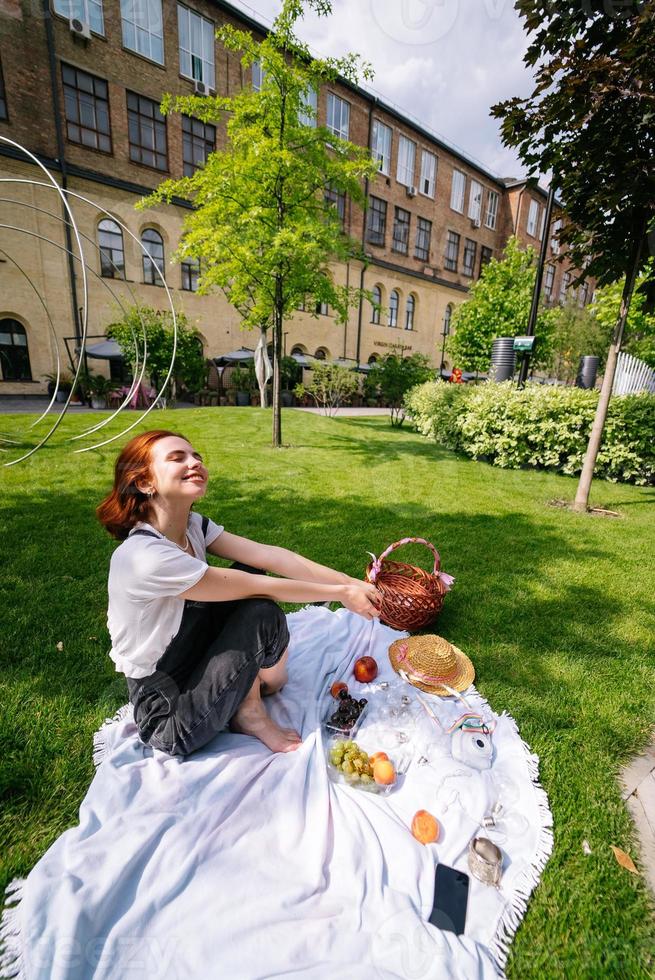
446 332
536 292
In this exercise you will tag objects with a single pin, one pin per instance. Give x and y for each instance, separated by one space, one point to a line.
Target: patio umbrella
107 350
234 357
263 366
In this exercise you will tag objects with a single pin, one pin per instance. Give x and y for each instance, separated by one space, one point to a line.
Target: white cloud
445 62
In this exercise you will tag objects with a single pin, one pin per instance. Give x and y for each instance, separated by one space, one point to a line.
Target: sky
444 62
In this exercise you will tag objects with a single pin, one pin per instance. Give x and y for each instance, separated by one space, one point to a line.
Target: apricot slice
425 827
384 773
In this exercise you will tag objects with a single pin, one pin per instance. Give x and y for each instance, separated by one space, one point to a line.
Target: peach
378 755
337 687
425 827
365 670
384 773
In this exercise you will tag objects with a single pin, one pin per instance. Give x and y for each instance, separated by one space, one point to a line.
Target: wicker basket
411 597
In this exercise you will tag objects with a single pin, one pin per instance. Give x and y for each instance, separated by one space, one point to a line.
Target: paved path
638 779
347 411
31 406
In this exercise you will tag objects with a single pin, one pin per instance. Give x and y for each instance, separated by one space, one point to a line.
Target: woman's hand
362 598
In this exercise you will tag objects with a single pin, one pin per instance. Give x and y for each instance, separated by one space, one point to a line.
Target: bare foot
252 719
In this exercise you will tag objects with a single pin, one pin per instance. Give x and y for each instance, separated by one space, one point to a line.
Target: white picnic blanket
240 864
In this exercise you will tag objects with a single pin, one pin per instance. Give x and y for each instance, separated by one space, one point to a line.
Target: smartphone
451 892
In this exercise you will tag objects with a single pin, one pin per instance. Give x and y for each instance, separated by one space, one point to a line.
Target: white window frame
381 146
428 173
257 75
475 201
406 161
83 10
338 116
542 222
458 191
491 215
554 243
533 218
191 61
307 114
144 28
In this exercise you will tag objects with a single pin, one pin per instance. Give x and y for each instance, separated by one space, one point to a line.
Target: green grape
348 766
353 777
358 764
365 778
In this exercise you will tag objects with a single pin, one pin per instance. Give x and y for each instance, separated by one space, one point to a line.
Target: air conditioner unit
411 191
475 222
80 28
200 88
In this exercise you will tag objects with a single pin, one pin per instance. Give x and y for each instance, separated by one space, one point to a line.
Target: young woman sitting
200 645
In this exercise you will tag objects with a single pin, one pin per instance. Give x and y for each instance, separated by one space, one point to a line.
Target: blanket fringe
528 880
100 748
11 954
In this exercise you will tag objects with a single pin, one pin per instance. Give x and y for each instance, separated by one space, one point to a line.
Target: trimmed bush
540 426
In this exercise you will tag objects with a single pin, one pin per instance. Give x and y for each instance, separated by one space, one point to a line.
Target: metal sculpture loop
78 256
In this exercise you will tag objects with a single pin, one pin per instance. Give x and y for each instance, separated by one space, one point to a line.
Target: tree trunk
586 476
277 348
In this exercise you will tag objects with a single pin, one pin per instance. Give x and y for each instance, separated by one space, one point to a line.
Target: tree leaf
624 860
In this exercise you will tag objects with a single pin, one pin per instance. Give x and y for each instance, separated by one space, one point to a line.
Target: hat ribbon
426 678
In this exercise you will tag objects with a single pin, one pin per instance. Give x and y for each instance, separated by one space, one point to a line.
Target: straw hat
431 662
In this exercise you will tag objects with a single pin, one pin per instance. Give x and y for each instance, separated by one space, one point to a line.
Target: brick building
82 95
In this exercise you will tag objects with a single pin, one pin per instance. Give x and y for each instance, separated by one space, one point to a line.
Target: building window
3 97
14 353
428 173
338 116
394 302
257 75
190 273
400 239
337 199
542 221
321 354
549 279
147 132
492 210
423 233
377 221
533 217
89 11
86 104
554 241
196 36
468 259
381 150
307 114
376 293
475 202
322 309
448 312
406 158
583 292
143 28
153 257
409 312
452 251
485 256
564 285
457 191
110 245
198 141
373 359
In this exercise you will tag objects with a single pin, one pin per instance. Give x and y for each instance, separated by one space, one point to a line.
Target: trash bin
587 371
503 359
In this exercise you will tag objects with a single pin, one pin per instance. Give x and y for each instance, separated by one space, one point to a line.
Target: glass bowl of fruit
344 713
347 762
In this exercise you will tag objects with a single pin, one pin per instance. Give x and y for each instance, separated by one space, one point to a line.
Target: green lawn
556 610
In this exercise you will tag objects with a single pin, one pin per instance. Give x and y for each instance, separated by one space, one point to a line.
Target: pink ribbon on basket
376 565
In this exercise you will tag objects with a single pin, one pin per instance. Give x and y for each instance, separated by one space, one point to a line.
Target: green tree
395 375
330 386
640 322
590 121
575 332
160 346
264 224
499 306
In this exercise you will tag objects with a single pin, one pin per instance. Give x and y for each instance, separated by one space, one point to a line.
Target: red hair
126 505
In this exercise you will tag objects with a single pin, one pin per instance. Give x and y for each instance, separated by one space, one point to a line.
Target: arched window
298 349
394 302
14 355
409 312
376 292
112 254
321 354
154 243
373 359
448 312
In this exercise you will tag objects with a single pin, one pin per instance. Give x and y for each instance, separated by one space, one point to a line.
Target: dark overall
206 670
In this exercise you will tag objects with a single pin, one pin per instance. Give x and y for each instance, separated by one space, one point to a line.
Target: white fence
632 375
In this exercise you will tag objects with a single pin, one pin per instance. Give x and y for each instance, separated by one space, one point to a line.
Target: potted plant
290 376
65 385
100 388
240 379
